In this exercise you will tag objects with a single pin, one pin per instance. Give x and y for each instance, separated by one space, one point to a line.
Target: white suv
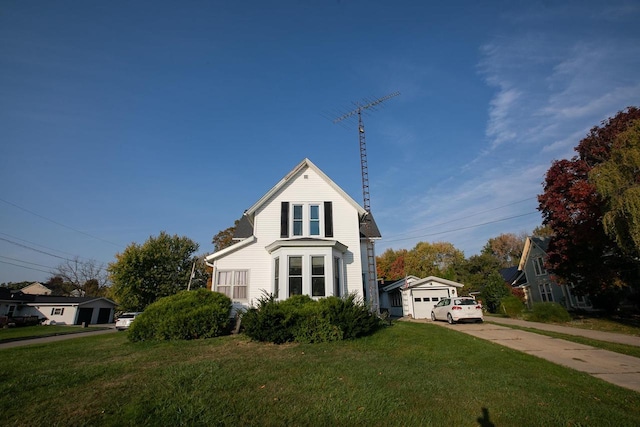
125 320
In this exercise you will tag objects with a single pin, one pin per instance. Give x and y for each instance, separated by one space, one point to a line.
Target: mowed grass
409 374
22 332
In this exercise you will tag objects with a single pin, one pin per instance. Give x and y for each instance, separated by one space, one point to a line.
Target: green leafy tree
494 291
617 180
475 271
433 259
144 273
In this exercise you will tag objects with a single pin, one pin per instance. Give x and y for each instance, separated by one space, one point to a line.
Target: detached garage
418 296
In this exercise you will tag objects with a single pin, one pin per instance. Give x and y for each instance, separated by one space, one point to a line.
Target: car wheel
433 316
450 319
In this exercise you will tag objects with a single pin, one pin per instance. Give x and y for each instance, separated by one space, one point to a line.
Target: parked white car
125 320
458 309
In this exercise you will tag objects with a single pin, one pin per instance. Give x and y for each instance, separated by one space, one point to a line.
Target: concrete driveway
615 368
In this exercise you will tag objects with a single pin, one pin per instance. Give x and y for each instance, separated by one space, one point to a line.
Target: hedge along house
304 236
415 297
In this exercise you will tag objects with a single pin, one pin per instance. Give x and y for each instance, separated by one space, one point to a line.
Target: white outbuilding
415 297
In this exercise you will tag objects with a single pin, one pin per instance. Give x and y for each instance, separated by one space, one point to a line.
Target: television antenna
364 168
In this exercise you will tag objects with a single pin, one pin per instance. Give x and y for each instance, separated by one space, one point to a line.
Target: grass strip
41 331
407 374
629 350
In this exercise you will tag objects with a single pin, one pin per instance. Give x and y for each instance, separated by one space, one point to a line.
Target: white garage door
425 299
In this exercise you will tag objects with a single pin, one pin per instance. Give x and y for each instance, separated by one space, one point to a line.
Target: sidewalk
568 330
615 368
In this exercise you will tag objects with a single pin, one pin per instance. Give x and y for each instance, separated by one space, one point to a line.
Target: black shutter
328 219
284 219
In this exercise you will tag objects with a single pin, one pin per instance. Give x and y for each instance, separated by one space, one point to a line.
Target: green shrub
494 290
270 321
511 306
302 319
351 315
549 312
184 316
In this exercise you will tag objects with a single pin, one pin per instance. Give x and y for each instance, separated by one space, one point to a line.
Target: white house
36 288
304 236
414 297
56 309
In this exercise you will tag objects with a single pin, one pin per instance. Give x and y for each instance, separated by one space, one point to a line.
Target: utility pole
364 168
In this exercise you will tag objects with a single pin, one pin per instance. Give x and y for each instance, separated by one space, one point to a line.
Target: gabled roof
368 227
306 163
413 281
540 242
513 276
399 283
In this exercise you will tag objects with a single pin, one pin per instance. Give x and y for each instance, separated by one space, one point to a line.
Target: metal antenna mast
371 260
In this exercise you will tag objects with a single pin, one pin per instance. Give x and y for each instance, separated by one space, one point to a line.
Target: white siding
307 187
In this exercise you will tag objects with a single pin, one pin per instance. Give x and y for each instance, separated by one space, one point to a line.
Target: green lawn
22 332
409 374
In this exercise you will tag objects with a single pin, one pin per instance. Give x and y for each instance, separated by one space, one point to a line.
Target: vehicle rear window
465 302
127 316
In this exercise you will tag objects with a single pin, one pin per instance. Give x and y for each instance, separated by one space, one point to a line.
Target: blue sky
123 119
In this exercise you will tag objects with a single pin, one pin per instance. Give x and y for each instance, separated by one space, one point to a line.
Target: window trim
234 286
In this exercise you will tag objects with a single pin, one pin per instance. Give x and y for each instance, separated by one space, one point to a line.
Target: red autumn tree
580 252
390 265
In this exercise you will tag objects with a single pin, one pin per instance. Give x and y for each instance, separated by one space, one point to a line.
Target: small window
427 299
57 311
434 299
418 299
314 220
297 220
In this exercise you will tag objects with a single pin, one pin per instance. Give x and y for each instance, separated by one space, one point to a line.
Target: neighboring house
59 310
304 236
36 289
414 297
536 281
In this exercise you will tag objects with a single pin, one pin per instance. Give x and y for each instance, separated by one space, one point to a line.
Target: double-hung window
538 266
295 275
317 276
306 219
314 220
545 292
233 283
298 222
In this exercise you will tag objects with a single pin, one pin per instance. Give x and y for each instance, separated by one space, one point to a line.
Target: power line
465 217
26 262
28 268
462 228
42 246
34 249
59 223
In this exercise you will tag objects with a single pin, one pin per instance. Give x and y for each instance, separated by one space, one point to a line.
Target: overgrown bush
302 319
549 312
184 316
493 292
511 306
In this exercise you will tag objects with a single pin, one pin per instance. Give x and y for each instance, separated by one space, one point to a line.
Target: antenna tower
371 260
